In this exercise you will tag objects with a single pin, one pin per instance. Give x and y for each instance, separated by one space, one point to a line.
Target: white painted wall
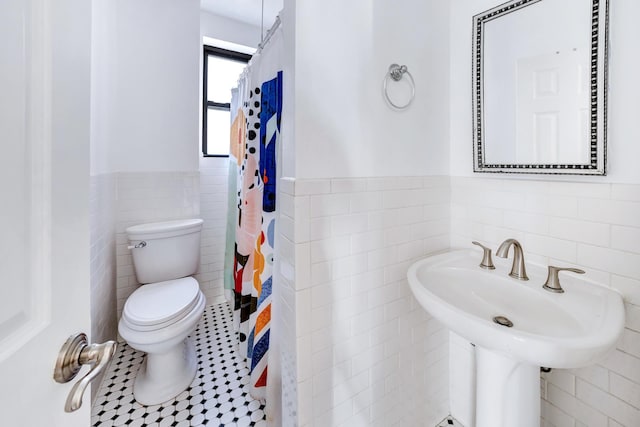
222 28
102 82
624 89
287 129
145 71
343 128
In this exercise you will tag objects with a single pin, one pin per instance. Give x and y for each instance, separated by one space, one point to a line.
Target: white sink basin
569 330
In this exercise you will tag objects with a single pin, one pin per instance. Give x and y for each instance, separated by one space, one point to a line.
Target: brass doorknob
75 352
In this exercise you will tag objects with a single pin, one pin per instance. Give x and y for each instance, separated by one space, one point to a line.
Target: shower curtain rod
270 32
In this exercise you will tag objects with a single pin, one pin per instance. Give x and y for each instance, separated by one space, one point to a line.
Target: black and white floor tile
217 397
449 422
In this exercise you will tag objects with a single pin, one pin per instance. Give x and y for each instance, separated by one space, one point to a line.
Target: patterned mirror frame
598 95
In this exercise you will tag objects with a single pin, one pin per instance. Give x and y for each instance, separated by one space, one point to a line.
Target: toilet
160 315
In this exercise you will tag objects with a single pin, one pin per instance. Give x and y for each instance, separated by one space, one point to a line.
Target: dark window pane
222 70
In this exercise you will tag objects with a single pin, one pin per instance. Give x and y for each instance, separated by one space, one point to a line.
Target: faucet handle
486 262
553 282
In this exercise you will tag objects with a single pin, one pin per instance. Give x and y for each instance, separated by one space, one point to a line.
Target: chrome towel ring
395 73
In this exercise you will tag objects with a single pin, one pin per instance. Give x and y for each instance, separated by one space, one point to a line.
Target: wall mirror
539 87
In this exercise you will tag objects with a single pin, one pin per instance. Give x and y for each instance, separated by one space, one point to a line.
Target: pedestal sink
569 330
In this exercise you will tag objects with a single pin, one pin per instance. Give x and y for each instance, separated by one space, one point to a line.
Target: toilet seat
157 305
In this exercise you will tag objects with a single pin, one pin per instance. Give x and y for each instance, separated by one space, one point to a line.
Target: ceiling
248 11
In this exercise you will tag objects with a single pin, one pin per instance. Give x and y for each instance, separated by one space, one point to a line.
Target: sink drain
501 320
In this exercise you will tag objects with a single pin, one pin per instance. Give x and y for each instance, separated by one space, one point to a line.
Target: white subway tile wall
103 272
363 351
592 226
285 304
213 210
347 321
102 217
144 197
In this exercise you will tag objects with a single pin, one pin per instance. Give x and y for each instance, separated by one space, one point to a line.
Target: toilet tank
165 250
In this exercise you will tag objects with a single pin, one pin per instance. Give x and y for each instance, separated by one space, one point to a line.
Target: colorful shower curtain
256 110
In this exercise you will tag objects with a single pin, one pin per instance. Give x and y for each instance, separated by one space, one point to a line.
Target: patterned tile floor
449 422
217 397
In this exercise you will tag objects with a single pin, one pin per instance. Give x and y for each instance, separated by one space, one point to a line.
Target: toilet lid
161 302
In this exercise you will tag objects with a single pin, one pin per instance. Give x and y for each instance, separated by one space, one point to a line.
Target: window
221 70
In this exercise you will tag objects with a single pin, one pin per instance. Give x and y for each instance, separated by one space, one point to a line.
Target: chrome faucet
517 269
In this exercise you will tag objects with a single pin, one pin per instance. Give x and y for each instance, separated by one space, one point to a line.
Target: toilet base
163 376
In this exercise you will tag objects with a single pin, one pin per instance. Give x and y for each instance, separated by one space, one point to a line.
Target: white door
553 108
44 202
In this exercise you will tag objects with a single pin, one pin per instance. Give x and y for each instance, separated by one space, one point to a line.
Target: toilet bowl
159 316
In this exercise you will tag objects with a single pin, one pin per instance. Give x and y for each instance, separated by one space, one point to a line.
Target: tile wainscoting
593 226
160 196
102 218
348 324
213 210
150 197
363 351
103 266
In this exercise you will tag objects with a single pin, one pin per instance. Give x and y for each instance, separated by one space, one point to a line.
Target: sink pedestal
507 391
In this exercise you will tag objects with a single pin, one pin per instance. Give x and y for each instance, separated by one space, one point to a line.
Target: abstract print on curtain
255 135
